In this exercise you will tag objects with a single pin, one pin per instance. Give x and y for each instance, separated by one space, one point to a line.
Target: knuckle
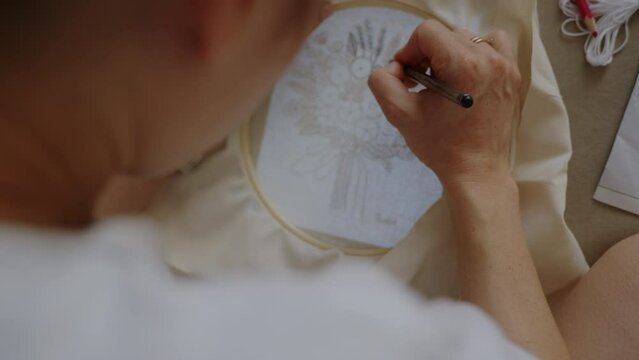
501 35
423 28
427 25
499 65
471 63
429 28
470 68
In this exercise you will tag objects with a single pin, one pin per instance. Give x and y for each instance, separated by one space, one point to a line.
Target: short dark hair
26 24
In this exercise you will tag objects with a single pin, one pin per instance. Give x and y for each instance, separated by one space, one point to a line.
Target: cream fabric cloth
214 223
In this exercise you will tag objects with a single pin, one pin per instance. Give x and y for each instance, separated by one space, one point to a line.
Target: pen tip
595 34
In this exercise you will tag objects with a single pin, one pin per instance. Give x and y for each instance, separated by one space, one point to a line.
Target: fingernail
327 11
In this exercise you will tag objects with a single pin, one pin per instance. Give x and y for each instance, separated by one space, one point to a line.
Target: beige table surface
596 99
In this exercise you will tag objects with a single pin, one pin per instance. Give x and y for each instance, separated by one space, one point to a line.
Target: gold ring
479 40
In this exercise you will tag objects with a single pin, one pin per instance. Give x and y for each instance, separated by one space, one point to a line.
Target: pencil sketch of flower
333 102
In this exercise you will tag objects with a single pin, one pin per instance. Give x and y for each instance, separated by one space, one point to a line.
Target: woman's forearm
496 270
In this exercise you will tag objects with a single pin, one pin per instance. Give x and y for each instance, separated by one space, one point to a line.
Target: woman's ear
215 22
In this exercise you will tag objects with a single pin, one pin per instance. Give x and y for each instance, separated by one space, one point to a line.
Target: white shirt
106 294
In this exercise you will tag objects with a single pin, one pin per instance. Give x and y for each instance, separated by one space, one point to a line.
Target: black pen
464 100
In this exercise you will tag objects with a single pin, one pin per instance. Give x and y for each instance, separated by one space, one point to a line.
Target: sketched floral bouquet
333 102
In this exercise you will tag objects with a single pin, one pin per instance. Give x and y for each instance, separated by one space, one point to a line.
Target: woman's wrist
489 184
481 202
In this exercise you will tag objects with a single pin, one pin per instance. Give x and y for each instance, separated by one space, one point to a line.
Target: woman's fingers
501 42
465 36
431 42
388 86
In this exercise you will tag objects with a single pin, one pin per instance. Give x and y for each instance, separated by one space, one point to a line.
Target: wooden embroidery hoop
248 153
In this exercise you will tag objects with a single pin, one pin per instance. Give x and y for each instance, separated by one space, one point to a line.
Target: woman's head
230 54
179 75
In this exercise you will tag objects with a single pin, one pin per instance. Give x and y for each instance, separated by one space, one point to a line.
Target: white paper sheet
329 161
619 185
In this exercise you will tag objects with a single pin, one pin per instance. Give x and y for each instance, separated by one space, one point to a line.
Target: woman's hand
460 145
469 150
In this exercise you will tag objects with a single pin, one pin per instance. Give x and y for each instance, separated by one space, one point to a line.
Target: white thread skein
612 16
